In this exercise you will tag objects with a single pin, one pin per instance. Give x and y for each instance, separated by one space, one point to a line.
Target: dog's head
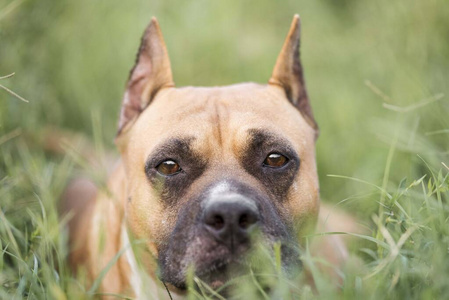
207 166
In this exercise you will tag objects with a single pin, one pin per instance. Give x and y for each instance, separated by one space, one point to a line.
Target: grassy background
377 75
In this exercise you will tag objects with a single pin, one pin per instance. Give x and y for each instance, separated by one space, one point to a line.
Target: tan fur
219 118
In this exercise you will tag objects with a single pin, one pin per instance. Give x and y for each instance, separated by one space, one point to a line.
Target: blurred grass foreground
377 75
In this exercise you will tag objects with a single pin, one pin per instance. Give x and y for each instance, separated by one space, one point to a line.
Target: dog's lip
218 274
215 284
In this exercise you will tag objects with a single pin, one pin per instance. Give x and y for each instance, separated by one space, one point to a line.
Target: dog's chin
220 268
221 272
216 274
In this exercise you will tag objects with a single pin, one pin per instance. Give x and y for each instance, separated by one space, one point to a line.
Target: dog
201 169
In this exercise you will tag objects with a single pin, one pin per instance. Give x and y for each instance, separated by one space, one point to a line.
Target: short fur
220 136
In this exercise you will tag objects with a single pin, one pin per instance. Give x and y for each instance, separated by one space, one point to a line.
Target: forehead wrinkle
216 120
219 119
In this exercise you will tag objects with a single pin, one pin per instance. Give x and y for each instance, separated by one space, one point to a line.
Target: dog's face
208 167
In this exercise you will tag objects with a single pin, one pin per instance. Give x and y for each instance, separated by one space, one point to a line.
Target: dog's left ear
288 73
151 73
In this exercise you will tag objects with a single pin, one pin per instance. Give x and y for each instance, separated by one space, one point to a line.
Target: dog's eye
275 160
168 167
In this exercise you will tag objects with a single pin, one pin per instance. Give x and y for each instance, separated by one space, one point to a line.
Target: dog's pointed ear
288 73
151 72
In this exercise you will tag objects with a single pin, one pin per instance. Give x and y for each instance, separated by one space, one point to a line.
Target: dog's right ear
288 74
151 73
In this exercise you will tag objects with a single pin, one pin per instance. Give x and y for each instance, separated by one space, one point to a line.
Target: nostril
217 222
244 221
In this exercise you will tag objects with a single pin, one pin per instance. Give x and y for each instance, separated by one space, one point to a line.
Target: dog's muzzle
217 231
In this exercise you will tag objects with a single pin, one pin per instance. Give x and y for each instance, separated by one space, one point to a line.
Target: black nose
230 219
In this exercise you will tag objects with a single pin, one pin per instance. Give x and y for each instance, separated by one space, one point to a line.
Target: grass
377 76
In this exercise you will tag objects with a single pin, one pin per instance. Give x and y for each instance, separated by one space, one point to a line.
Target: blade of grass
104 271
8 9
415 106
361 181
7 76
385 180
10 135
14 94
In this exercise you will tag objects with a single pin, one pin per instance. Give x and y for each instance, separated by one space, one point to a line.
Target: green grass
377 74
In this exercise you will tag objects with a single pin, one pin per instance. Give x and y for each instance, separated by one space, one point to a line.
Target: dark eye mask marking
278 179
172 186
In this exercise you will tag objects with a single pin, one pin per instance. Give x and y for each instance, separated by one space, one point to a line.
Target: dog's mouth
225 273
216 273
220 274
221 277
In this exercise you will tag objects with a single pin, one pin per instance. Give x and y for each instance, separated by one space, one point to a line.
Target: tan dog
201 168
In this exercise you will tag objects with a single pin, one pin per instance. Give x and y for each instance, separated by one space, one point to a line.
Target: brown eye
275 160
168 167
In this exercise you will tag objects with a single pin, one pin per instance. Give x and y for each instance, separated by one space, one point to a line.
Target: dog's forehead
242 97
220 112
